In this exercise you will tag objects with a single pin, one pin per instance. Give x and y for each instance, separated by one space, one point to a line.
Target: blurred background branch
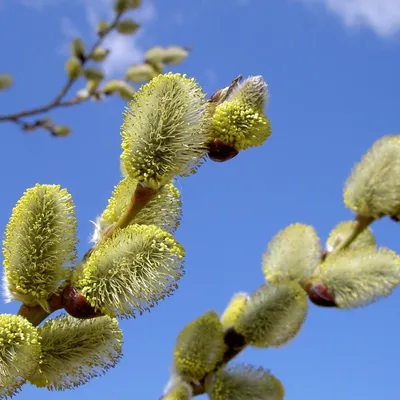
95 84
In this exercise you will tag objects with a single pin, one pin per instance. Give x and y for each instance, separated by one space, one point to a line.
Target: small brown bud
218 151
320 296
76 305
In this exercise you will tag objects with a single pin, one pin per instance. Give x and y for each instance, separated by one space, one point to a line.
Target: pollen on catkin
164 210
293 254
240 121
164 130
359 276
244 382
40 239
20 353
181 391
273 315
132 271
373 188
75 351
234 310
199 347
341 230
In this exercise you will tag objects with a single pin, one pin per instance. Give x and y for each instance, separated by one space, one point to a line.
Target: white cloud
383 16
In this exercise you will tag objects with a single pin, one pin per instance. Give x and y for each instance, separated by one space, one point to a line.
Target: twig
361 223
36 314
57 101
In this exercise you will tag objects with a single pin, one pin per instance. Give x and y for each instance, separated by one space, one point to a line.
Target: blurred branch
57 101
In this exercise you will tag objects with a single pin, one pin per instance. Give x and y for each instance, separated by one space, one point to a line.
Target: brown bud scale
320 296
219 151
76 305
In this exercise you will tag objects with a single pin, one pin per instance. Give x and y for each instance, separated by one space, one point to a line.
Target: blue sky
333 72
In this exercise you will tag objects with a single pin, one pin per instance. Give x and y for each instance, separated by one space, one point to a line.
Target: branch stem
57 101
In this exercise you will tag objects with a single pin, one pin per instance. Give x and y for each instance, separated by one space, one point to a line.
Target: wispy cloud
383 16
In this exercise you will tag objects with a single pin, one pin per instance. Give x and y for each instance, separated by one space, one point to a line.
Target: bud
61 130
181 391
91 86
274 315
293 254
112 86
73 68
342 230
140 73
234 310
154 55
93 74
199 347
20 353
157 66
75 351
6 81
127 27
244 382
219 151
82 94
166 117
359 276
373 189
40 240
240 125
99 54
131 271
174 55
164 210
102 28
78 49
252 91
123 5
126 91
76 305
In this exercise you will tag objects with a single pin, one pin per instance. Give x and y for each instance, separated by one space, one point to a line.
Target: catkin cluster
135 261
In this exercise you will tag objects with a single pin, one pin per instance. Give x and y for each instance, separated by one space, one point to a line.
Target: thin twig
57 101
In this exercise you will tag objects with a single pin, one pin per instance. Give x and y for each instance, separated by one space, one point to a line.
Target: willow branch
36 314
57 101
